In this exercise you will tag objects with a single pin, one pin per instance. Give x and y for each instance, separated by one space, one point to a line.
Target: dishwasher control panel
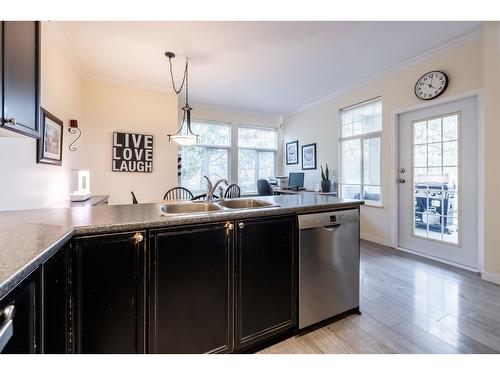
328 218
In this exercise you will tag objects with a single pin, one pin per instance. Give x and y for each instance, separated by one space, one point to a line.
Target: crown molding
58 34
464 39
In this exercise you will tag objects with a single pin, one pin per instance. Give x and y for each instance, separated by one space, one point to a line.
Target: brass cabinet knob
230 226
138 237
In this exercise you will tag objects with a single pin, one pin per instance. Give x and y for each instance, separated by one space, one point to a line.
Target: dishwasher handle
331 227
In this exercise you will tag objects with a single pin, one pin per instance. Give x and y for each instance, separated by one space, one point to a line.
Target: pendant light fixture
184 136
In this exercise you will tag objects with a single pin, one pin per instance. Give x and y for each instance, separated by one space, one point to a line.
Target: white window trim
361 137
257 149
214 147
233 148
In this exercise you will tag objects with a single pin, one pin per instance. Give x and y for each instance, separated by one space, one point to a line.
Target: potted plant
326 183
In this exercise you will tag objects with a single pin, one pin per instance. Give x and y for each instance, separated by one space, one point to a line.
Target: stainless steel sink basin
246 203
187 208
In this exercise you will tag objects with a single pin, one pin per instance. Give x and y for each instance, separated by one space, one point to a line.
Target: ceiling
273 67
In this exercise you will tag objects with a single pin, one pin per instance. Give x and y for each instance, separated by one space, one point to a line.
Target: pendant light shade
184 136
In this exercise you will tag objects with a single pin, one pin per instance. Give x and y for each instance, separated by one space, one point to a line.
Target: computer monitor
296 180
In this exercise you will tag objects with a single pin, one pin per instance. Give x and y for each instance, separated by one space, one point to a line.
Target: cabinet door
26 327
191 306
109 300
265 279
55 295
21 61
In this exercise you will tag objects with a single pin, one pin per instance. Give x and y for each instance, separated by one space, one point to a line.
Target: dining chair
134 199
232 191
178 193
264 187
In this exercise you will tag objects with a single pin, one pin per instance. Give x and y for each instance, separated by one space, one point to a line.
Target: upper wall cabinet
20 76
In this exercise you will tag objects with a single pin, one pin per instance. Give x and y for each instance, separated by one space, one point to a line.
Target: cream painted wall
320 124
32 185
108 108
492 150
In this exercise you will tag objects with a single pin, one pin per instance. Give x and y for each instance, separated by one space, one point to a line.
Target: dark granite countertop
29 237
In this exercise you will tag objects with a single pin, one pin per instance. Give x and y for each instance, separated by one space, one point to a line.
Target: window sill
374 204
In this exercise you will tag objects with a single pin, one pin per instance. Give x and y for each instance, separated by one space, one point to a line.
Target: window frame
258 150
211 147
362 137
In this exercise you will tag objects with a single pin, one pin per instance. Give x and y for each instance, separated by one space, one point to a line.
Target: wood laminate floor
410 304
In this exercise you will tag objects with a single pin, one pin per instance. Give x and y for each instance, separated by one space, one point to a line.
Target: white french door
438 177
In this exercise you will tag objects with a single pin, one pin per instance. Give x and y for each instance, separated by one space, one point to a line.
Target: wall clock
431 85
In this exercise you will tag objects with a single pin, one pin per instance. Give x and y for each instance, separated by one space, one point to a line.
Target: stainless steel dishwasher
328 265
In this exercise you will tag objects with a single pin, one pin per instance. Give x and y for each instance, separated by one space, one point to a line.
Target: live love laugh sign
132 152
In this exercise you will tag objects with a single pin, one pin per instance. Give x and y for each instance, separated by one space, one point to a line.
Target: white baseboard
491 277
438 259
376 239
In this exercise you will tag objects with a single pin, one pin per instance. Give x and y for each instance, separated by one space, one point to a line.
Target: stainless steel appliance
328 265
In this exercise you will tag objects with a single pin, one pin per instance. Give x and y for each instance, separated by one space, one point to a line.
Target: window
360 139
256 156
211 157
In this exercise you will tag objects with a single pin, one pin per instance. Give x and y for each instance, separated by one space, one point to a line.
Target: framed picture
49 146
292 153
309 156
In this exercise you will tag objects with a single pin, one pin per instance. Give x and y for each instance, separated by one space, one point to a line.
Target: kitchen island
123 279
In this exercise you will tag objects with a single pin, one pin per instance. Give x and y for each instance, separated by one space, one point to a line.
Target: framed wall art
292 153
132 152
49 146
309 156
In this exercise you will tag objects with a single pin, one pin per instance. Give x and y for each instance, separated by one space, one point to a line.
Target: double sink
207 207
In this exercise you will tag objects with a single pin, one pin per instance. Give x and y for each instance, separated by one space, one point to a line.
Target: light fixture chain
184 78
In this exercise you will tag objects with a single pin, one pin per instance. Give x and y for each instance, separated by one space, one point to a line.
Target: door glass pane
434 130
450 153
450 128
435 179
434 154
420 156
420 132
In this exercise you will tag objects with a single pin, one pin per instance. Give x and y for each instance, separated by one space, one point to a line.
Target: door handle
6 327
402 180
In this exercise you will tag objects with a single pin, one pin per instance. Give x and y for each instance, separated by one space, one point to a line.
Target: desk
279 191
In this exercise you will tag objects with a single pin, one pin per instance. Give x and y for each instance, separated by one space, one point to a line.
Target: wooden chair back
232 191
178 193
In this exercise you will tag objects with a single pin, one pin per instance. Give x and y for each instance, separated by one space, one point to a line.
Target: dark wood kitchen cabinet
191 289
20 76
109 293
56 307
25 298
265 279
